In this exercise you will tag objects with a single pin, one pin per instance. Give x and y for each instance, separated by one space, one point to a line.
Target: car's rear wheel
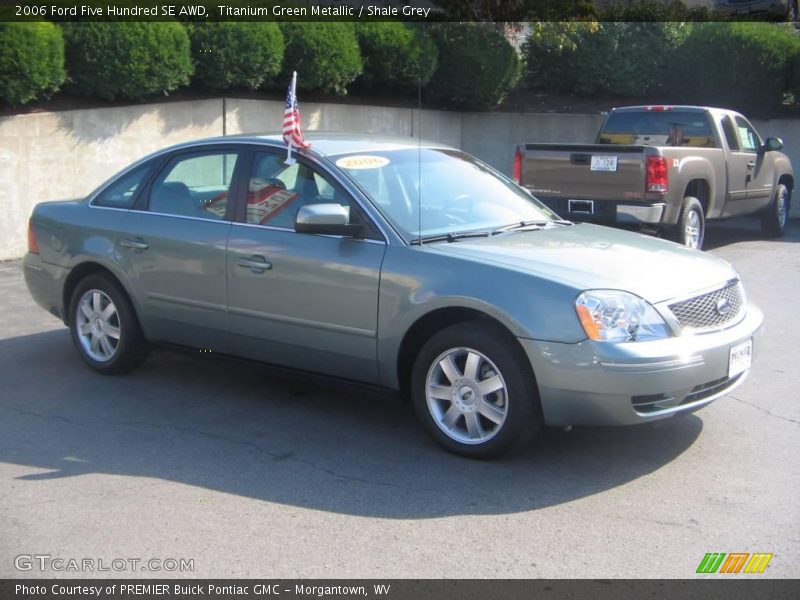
104 326
775 217
691 228
475 392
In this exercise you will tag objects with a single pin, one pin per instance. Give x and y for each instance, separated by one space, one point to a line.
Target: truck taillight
33 248
516 170
657 174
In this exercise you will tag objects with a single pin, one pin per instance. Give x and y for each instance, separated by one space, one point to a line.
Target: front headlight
615 316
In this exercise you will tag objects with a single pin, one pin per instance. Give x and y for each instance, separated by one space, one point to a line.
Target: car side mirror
326 219
772 144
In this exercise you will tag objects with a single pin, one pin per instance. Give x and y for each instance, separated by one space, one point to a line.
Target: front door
300 300
739 170
172 246
761 172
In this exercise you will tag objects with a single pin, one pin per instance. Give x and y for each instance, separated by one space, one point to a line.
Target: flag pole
289 160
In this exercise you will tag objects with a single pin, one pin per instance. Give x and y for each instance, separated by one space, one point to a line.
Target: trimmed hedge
236 54
31 61
477 65
396 55
128 59
744 66
623 59
326 55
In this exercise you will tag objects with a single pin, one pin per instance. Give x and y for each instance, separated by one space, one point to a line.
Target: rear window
658 128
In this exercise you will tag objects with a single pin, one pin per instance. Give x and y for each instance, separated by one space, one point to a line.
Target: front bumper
595 383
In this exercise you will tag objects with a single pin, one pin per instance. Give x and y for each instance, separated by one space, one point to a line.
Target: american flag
292 134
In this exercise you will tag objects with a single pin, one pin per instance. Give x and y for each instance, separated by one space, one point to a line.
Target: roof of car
332 143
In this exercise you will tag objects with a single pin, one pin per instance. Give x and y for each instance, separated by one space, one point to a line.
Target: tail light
516 170
657 174
33 247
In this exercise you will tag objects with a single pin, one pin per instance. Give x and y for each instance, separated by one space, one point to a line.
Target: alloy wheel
98 325
466 395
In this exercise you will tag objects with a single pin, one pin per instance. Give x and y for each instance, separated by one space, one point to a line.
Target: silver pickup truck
667 168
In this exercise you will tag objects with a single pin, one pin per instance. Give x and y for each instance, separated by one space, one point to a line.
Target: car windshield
457 194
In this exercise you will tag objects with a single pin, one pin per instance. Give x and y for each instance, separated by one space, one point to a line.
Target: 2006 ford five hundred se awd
412 267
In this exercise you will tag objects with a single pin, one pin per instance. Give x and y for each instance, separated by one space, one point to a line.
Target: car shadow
745 229
244 429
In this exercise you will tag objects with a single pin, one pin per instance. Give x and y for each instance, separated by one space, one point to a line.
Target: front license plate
741 357
604 163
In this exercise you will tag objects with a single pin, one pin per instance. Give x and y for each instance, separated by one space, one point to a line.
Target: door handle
256 263
751 165
137 244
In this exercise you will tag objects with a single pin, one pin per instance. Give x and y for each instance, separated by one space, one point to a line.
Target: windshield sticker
362 161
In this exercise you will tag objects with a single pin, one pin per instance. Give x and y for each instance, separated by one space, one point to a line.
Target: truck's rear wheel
691 228
774 218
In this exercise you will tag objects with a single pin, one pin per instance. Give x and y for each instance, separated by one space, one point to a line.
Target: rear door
172 245
300 300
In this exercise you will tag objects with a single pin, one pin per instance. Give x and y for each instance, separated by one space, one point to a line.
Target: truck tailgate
585 171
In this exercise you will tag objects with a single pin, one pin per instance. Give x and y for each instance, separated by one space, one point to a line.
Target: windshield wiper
451 237
530 225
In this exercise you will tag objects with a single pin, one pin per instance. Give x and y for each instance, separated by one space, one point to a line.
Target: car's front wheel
474 391
104 326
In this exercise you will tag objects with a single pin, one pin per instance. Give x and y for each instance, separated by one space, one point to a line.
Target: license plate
741 357
604 163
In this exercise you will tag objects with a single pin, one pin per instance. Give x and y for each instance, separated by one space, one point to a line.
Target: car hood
588 256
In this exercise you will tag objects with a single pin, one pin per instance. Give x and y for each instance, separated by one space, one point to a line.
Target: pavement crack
273 455
765 410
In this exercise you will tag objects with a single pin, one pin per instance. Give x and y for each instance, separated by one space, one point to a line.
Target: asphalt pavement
239 470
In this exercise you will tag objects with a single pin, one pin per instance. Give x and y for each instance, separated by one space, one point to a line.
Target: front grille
654 403
711 310
706 390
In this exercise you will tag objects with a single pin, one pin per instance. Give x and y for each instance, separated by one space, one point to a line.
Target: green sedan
405 265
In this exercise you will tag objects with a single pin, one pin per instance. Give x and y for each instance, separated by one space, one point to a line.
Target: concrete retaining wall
58 155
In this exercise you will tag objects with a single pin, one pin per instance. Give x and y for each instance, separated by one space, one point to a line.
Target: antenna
419 159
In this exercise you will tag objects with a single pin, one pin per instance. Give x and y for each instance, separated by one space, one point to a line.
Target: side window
730 133
120 194
277 191
747 135
194 185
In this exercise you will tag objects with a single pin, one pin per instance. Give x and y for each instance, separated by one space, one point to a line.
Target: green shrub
31 61
477 65
396 55
127 59
744 66
794 75
622 59
325 55
236 54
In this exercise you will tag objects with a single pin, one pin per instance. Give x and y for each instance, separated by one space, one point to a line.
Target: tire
691 228
483 425
776 216
104 326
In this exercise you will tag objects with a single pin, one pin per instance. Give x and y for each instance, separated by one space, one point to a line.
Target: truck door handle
751 165
137 244
256 263
579 159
